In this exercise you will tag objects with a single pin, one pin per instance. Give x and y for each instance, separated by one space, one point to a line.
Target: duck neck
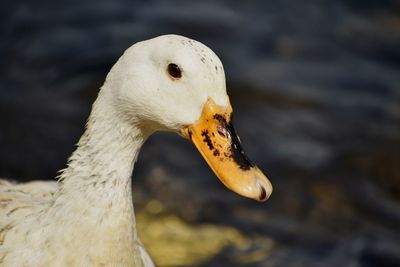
97 181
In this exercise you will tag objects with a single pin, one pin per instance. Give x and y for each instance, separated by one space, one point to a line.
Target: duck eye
174 71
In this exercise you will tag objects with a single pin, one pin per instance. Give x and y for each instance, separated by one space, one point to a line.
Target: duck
86 216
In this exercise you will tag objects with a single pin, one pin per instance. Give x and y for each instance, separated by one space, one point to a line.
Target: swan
86 218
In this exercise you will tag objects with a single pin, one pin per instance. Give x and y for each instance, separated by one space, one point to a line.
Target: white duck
168 83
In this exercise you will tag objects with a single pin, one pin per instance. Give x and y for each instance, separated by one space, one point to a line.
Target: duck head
173 83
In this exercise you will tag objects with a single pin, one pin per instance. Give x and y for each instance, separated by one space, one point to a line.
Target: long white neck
95 193
106 152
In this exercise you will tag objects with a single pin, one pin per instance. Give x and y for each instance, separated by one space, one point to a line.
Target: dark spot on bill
237 153
207 139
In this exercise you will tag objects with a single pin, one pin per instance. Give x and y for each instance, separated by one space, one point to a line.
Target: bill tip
264 193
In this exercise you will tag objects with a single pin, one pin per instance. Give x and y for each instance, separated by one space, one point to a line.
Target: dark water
316 90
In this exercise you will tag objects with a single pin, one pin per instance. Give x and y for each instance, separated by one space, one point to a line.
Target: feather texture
86 218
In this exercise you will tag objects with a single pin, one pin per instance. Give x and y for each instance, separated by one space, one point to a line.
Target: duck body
87 218
32 238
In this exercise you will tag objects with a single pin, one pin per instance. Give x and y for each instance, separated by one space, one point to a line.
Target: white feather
87 217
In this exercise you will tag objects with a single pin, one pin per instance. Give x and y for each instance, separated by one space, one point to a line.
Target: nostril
263 194
221 131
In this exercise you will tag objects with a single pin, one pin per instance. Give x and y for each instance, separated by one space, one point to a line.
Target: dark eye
174 71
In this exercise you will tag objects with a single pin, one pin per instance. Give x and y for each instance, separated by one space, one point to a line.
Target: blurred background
315 87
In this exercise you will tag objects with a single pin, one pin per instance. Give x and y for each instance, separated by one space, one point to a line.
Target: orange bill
214 136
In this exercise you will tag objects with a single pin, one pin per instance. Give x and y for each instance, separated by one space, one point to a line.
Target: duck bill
216 139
